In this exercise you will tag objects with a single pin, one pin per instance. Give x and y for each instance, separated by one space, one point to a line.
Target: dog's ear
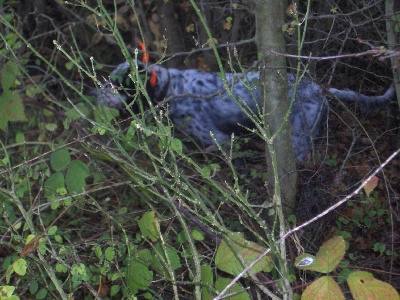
142 65
145 54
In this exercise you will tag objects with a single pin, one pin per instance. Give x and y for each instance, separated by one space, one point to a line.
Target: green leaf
53 184
19 137
105 115
176 145
198 235
76 112
148 225
363 285
323 288
12 109
32 91
138 276
41 294
8 74
98 252
109 253
75 178
207 280
19 266
115 290
221 283
327 258
159 259
51 127
227 259
58 238
33 287
6 291
60 268
60 159
80 272
52 230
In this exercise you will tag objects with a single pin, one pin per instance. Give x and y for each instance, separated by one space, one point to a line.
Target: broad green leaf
42 293
98 252
6 291
60 159
327 258
221 283
29 238
80 272
115 290
33 287
138 275
52 230
363 285
105 115
12 108
159 259
109 253
227 259
61 268
8 74
207 280
323 288
205 171
176 145
53 184
75 178
198 235
19 137
51 127
19 266
148 225
78 111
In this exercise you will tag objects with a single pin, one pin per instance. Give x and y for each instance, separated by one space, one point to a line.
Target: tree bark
269 15
393 39
170 29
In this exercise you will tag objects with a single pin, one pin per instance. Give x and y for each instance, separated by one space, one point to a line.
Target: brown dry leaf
371 185
291 10
185 6
202 65
32 246
102 289
154 25
362 244
190 27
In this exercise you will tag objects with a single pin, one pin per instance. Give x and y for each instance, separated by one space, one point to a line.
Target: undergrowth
96 205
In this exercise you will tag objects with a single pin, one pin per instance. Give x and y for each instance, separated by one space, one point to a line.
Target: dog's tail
351 96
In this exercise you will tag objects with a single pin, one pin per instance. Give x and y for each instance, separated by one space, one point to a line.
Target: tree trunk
393 39
269 16
170 29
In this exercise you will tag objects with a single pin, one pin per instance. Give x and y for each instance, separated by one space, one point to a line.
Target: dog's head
126 84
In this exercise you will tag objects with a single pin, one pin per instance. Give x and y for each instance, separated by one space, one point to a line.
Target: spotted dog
200 104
